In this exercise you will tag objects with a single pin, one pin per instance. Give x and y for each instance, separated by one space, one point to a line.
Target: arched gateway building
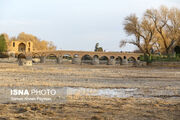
20 46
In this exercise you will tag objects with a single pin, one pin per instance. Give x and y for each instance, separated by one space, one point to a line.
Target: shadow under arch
51 58
67 58
131 60
103 60
87 59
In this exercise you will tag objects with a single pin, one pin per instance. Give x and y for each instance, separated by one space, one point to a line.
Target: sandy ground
93 107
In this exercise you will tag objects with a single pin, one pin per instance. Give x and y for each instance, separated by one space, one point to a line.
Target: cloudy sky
74 24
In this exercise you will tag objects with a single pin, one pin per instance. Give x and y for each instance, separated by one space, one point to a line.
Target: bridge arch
67 58
86 59
51 58
103 60
132 60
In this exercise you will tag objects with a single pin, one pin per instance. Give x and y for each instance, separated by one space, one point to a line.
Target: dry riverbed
121 92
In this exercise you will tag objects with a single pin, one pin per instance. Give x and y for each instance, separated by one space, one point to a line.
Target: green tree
3 45
97 48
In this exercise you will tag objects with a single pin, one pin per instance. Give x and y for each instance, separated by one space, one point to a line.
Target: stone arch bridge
79 57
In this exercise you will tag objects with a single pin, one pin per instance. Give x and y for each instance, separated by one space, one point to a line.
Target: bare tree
143 32
167 24
51 46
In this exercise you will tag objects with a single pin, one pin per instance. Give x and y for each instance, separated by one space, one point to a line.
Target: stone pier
24 62
76 60
111 62
124 61
95 61
59 60
42 59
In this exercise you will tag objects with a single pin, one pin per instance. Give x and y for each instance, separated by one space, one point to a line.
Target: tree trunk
147 58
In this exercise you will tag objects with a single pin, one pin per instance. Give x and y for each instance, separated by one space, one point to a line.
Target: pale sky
74 24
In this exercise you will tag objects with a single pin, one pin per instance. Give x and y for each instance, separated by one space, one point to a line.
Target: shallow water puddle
123 92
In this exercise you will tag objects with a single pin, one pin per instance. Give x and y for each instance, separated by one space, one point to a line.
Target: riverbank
158 89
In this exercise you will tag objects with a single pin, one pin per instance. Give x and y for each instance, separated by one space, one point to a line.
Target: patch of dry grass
92 108
95 108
